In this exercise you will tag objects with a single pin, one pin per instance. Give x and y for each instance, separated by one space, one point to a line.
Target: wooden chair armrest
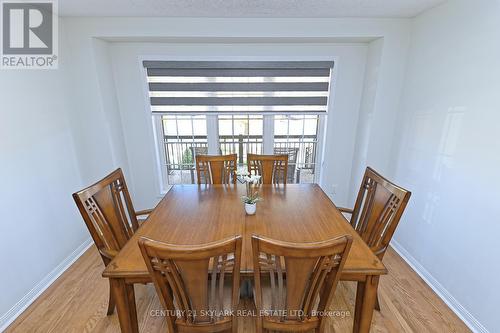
110 254
345 210
143 212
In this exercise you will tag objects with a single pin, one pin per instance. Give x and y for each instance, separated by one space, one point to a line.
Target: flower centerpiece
252 197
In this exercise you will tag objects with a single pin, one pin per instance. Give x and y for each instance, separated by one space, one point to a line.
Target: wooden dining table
197 214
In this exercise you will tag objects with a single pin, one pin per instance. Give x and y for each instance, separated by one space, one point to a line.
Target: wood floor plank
77 302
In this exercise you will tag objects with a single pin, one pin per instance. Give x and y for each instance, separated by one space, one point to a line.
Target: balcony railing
180 152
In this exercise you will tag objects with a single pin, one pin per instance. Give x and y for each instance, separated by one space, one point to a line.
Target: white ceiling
246 8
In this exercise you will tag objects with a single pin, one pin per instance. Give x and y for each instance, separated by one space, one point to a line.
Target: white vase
250 209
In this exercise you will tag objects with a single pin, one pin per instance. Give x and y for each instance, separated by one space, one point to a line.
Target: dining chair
203 150
377 211
106 208
190 282
216 169
292 153
294 301
273 169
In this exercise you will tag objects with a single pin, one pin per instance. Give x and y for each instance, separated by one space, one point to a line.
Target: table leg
360 290
125 305
366 296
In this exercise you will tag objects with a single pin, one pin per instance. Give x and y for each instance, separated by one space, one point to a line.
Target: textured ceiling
246 8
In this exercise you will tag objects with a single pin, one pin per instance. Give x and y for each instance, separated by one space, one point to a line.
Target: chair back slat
377 211
107 210
312 272
298 273
192 281
216 169
273 169
113 216
194 274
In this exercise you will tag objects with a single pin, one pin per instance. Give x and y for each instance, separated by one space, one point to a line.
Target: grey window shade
228 87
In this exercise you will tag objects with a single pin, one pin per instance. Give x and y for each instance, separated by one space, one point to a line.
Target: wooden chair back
189 280
377 211
273 169
312 272
216 169
195 151
108 212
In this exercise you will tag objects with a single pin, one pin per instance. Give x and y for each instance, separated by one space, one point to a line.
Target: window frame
162 186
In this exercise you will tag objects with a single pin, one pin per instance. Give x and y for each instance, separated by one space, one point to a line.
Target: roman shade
242 87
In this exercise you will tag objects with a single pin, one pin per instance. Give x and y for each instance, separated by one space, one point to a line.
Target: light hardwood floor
77 302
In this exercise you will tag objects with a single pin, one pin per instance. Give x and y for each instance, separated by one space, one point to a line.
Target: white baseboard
441 291
14 312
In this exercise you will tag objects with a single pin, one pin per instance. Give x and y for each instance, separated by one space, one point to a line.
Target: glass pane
240 126
296 125
200 125
169 126
225 126
255 125
182 144
310 125
280 125
184 126
296 135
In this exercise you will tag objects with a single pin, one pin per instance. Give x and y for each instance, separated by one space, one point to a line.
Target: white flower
242 172
255 179
248 179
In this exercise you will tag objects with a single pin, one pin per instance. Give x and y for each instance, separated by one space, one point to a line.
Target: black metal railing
241 145
180 151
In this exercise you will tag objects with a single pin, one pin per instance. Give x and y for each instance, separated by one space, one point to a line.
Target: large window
186 136
238 107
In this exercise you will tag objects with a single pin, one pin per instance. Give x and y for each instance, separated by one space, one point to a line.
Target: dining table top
198 214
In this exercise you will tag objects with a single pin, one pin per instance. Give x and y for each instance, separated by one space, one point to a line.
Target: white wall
365 118
40 225
94 117
109 103
449 156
